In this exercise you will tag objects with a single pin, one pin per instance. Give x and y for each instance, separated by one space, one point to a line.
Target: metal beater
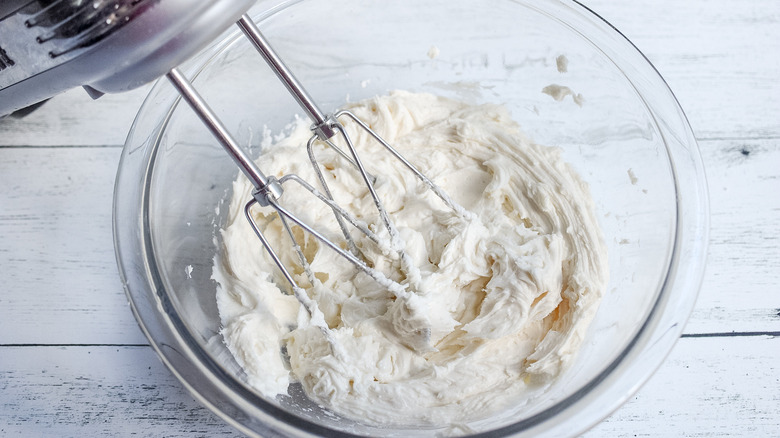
268 190
47 46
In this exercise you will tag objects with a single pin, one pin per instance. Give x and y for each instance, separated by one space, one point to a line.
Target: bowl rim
642 356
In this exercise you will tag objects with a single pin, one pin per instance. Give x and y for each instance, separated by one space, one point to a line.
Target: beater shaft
322 123
325 127
261 182
269 189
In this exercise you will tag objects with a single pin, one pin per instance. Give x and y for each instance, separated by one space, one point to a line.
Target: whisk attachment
421 176
267 190
414 329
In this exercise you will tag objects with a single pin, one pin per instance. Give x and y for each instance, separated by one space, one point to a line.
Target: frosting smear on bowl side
508 293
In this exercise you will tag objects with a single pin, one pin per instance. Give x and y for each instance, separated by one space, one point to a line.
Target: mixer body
106 46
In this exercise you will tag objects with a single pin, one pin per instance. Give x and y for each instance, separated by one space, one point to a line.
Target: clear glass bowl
629 140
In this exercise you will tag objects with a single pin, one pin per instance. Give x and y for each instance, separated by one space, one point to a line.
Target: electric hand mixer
108 46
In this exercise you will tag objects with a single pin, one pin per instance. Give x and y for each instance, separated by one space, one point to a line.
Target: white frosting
506 294
562 63
559 92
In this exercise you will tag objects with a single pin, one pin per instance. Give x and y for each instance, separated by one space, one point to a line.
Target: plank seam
685 335
739 138
729 334
75 146
73 345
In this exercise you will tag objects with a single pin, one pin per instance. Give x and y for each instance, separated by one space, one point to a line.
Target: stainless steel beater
268 190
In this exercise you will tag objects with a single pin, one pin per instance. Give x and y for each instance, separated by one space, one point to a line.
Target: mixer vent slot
5 60
76 24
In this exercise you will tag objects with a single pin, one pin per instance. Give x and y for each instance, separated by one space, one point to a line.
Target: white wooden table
74 363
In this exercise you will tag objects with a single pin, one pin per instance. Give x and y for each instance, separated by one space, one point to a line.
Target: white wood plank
73 118
60 279
59 270
721 58
97 391
708 387
742 280
707 51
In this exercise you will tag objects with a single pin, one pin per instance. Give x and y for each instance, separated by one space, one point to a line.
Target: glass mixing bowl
627 137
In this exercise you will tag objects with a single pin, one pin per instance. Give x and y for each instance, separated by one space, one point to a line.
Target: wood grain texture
97 391
706 388
57 247
60 280
74 119
727 385
720 59
740 290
